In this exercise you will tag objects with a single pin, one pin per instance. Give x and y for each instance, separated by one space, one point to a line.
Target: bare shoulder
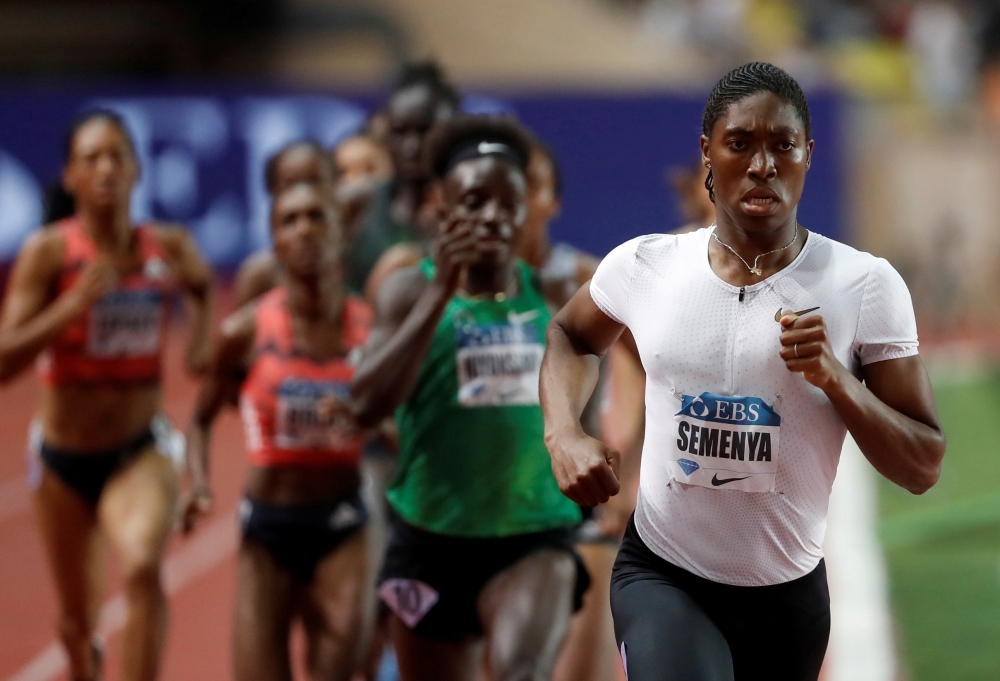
174 237
257 275
398 257
399 293
42 252
238 331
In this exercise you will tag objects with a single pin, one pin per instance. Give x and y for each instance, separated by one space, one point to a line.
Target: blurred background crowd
906 109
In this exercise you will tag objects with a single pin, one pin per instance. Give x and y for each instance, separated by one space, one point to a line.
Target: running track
199 570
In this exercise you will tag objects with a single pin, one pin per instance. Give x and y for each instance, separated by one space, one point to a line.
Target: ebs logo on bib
726 442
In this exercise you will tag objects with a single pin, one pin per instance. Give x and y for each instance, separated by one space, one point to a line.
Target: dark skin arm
892 416
407 312
32 316
195 279
229 361
578 337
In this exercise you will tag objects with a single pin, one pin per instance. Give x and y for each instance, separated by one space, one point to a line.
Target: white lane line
15 497
212 544
861 641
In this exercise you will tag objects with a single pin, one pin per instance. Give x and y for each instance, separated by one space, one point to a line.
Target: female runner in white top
763 344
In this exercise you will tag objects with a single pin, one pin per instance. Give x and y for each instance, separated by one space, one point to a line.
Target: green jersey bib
472 460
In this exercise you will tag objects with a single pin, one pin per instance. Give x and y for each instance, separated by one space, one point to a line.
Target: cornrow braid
747 80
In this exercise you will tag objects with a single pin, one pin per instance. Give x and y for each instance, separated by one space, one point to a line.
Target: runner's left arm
196 281
222 379
892 416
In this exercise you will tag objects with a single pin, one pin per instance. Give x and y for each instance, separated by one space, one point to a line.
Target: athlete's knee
143 576
74 629
531 659
523 668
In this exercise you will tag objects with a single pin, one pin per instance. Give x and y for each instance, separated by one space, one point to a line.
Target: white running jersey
740 453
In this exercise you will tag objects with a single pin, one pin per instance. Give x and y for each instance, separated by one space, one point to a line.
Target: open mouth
760 201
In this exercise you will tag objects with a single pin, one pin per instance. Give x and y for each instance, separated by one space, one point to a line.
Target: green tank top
472 461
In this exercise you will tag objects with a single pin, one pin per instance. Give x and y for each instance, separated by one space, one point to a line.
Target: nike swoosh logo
716 482
518 319
779 314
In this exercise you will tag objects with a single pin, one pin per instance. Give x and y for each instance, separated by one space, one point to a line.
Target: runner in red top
88 297
281 398
304 553
120 339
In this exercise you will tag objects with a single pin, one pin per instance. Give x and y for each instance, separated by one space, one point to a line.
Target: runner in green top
472 460
484 541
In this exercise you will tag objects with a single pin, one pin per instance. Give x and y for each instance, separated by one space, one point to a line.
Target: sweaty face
488 193
361 159
101 169
305 230
412 112
301 164
759 155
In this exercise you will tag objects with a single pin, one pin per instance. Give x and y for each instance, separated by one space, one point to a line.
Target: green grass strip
928 524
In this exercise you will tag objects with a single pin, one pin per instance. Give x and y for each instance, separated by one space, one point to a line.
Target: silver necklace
755 270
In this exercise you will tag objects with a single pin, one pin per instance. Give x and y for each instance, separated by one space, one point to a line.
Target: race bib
126 324
726 442
498 364
306 418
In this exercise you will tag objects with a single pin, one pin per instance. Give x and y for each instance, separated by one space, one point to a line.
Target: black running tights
672 625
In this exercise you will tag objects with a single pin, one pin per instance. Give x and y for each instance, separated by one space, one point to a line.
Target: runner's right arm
407 312
223 379
31 319
577 338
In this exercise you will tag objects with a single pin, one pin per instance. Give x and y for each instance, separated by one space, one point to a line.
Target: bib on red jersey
290 402
120 339
126 324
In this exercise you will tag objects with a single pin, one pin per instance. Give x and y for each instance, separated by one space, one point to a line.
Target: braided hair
460 139
744 81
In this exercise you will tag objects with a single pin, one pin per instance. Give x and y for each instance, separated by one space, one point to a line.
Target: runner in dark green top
483 545
421 98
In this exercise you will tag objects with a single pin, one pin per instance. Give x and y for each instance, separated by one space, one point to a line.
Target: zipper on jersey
737 324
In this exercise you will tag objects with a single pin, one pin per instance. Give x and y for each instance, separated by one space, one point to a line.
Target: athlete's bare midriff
301 485
97 418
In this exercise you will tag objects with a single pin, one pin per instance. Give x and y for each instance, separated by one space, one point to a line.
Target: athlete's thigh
265 600
73 545
136 508
525 610
426 659
333 609
663 635
795 614
589 653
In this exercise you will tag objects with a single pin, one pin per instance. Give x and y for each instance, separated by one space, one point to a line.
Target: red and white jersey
740 453
120 339
282 398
